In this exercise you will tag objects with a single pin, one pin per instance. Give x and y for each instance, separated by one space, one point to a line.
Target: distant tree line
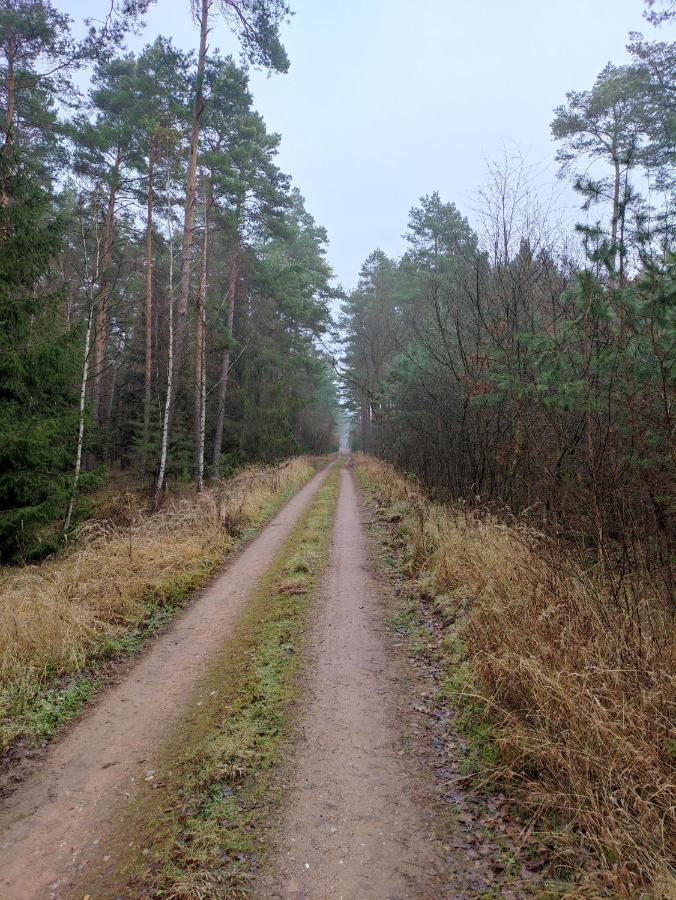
161 284
508 365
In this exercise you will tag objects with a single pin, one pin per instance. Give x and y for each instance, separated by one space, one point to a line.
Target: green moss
405 620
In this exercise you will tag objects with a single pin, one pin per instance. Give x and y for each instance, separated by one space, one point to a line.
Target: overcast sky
387 100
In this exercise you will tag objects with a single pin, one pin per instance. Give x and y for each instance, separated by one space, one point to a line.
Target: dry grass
576 676
56 618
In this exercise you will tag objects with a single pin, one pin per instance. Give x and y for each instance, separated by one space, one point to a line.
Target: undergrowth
123 578
563 688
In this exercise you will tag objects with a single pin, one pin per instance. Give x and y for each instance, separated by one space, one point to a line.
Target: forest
517 364
164 320
314 590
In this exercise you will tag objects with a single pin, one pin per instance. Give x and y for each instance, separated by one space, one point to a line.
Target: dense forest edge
176 361
163 287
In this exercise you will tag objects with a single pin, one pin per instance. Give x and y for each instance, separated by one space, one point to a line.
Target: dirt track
353 829
354 824
58 821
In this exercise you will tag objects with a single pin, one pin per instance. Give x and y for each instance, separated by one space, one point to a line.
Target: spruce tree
38 371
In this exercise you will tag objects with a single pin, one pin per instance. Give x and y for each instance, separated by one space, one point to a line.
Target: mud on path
353 828
59 820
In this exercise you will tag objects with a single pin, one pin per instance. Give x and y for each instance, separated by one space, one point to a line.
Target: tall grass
576 677
123 574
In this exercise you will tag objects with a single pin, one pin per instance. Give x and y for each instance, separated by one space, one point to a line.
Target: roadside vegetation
531 365
519 374
563 689
124 575
201 834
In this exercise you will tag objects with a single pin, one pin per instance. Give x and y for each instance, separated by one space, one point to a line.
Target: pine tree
256 23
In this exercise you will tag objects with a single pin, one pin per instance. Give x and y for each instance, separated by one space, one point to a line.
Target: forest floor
310 766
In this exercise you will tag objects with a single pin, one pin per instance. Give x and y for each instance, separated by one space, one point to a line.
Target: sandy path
353 829
59 818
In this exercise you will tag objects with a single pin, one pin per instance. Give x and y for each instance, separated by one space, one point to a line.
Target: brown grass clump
59 616
575 670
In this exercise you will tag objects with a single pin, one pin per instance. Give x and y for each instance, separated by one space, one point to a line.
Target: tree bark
225 366
159 484
148 309
11 102
83 388
200 375
365 426
189 209
80 435
101 341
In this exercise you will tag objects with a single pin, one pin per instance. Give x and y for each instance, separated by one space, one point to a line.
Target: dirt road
57 822
353 829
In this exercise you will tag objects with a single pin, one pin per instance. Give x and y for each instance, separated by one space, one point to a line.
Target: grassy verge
562 690
202 829
62 621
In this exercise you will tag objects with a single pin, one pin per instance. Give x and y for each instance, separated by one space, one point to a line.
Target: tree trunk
148 310
80 435
615 216
225 367
188 216
11 92
159 485
365 426
10 86
200 375
83 388
101 342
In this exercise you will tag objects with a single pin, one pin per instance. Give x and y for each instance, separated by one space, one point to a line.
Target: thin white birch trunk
83 383
157 499
148 373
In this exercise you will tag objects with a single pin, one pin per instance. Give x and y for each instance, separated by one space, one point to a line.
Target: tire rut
58 822
354 827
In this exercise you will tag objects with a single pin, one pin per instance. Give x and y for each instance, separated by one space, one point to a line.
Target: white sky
387 100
